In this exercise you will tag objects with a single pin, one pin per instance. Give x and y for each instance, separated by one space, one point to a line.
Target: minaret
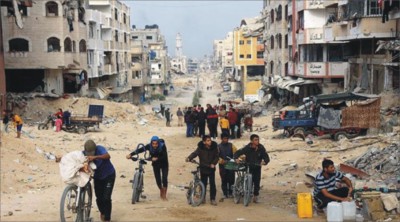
178 49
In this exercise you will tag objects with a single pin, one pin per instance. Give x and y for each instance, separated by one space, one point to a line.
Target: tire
237 190
299 130
341 135
197 193
68 208
87 206
140 188
247 189
135 185
81 130
189 193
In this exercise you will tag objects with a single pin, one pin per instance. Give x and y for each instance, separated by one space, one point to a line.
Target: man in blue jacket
104 177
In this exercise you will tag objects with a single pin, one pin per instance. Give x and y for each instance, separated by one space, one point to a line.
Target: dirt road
31 186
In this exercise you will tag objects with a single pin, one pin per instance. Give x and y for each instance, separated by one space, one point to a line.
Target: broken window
253 71
260 55
272 42
335 53
241 42
136 74
124 18
373 8
286 12
279 13
53 44
241 56
136 58
116 14
260 40
279 40
271 65
125 37
51 9
67 45
248 56
107 58
300 21
90 54
312 53
92 28
149 37
73 46
18 45
272 16
135 37
286 41
82 46
116 35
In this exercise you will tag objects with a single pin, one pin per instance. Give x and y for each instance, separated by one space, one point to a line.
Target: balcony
319 69
109 45
107 23
137 82
94 16
109 69
99 2
371 27
330 3
335 31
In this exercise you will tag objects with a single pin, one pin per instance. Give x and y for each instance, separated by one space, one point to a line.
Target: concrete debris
390 111
109 121
390 201
380 164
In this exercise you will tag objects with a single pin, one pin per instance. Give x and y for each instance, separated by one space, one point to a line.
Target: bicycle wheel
237 190
135 185
189 193
68 208
140 188
248 185
87 202
197 194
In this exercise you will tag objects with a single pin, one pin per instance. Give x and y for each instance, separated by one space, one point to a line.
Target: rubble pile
380 164
395 110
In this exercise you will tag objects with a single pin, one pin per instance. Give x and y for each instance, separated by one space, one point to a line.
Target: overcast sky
199 22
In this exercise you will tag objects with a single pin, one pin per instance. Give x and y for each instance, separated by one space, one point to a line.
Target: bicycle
76 203
196 189
243 186
137 182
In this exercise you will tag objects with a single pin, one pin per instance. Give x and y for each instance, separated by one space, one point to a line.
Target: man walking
255 153
179 114
226 151
207 151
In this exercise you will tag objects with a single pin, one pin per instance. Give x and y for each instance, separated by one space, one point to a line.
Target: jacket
253 155
206 156
226 151
161 153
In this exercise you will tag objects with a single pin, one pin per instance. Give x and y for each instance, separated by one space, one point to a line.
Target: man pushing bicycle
255 153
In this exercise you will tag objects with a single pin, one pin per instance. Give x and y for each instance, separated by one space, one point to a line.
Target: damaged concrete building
158 75
223 54
329 47
248 51
67 47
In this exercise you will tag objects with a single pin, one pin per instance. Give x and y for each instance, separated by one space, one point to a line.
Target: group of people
197 118
16 120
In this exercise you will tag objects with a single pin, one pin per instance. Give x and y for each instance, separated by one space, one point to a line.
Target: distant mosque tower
178 50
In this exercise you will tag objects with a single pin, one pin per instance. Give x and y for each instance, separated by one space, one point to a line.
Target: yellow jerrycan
304 205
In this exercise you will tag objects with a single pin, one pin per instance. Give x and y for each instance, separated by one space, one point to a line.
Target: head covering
160 145
90 148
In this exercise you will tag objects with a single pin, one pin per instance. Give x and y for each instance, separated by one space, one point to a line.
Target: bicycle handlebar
136 157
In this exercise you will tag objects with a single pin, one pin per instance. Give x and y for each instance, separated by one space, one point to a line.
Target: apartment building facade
49 53
158 76
248 51
330 47
109 48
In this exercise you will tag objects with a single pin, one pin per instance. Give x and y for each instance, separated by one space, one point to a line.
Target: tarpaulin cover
363 114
